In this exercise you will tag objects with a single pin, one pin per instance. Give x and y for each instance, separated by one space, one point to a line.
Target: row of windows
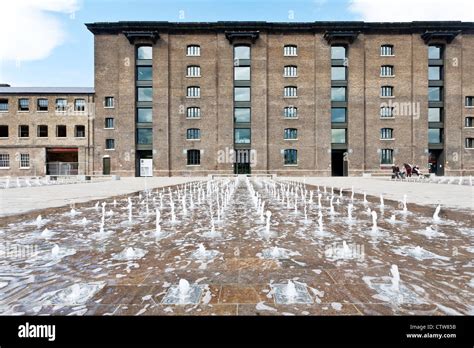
42 131
194 157
24 160
42 104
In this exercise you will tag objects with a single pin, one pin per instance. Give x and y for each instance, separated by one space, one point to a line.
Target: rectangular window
469 101
3 131
434 73
4 160
144 115
386 111
290 112
193 92
193 157
145 52
242 136
469 122
338 94
144 136
145 94
338 52
290 71
61 105
42 131
193 71
79 105
193 134
80 131
290 92
24 160
242 73
435 52
109 122
23 104
386 133
469 143
338 73
242 94
42 104
338 115
435 135
386 70
241 52
386 156
109 144
386 50
109 102
338 136
386 91
435 94
290 133
3 105
193 50
193 112
290 51
434 115
61 131
144 73
290 157
23 131
242 115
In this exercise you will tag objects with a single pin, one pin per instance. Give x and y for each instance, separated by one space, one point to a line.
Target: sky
45 42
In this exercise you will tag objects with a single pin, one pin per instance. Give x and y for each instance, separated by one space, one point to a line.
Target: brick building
321 98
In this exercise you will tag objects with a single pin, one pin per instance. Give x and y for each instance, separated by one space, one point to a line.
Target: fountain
405 209
290 292
331 206
349 212
46 233
374 222
382 205
183 203
39 221
365 198
267 226
84 221
130 207
55 251
129 254
393 218
395 278
352 193
436 214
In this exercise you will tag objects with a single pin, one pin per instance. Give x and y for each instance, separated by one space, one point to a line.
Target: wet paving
312 256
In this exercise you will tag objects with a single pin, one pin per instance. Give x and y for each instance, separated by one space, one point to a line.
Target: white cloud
411 10
31 29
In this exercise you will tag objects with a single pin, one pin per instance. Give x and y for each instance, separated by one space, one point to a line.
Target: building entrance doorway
338 164
144 163
436 162
242 162
62 161
106 166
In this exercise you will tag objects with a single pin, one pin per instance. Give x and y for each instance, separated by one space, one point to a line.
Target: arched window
386 50
193 134
291 156
290 71
290 91
193 92
193 71
193 50
386 70
290 51
386 156
290 112
291 134
386 91
193 112
386 133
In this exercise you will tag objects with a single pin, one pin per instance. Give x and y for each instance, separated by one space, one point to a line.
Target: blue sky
62 49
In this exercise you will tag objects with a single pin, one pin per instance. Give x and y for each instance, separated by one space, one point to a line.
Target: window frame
24 161
7 128
4 161
293 92
191 134
4 104
113 123
61 126
193 112
193 157
290 134
76 130
39 129
290 50
193 71
195 92
193 50
58 107
290 71
384 48
290 157
39 107
469 101
22 108
237 129
469 143
386 133
107 141
383 155
387 70
288 115
387 91
109 98
20 131
138 49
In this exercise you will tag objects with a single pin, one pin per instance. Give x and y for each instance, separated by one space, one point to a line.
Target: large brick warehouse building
320 99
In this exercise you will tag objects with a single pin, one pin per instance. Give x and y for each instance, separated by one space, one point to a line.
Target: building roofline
46 90
323 26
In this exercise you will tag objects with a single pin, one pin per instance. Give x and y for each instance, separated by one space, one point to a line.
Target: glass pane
144 52
338 136
338 73
145 93
434 115
338 115
338 94
144 73
242 136
144 136
434 52
144 115
338 52
242 94
242 52
434 94
434 73
242 73
434 135
242 114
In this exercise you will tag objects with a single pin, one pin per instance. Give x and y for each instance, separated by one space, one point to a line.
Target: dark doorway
62 161
106 166
242 162
338 163
436 162
144 163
